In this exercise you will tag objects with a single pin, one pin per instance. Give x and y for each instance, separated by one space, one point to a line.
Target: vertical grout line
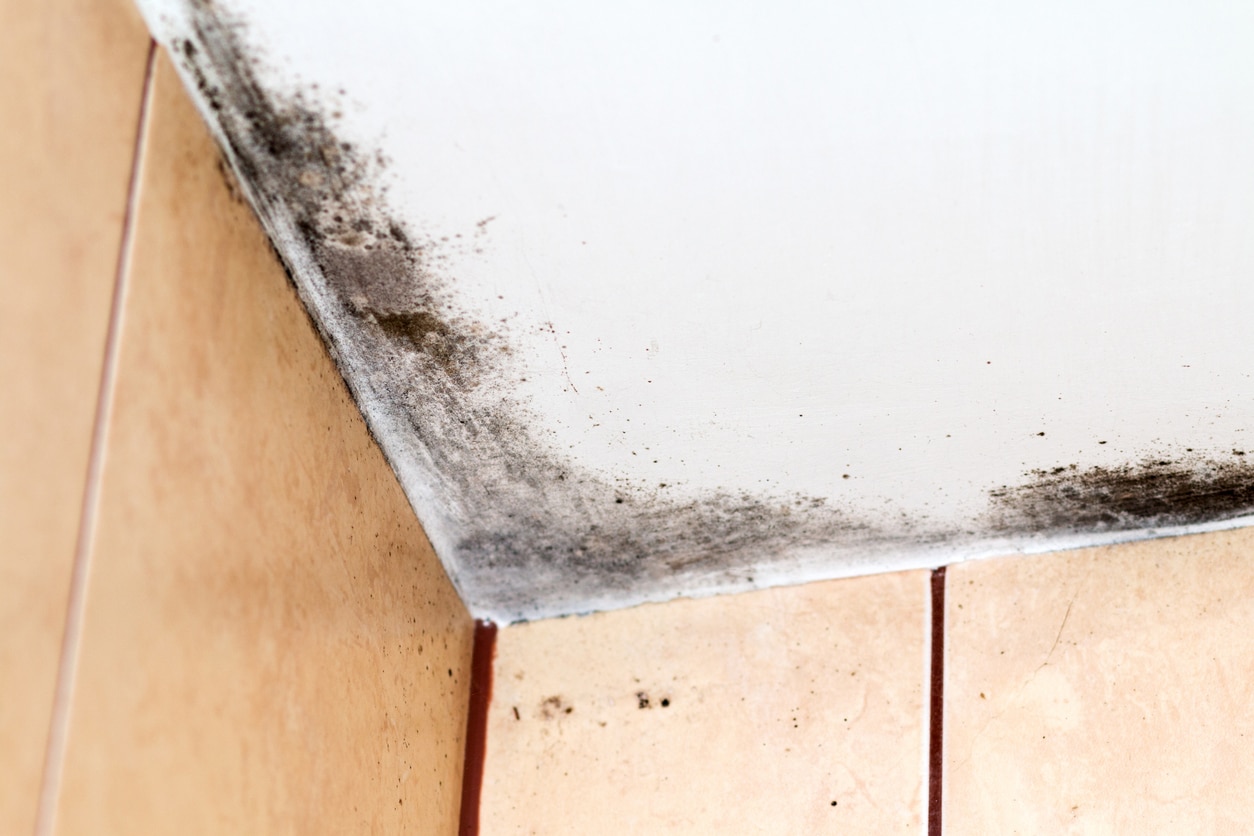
71 640
936 731
477 726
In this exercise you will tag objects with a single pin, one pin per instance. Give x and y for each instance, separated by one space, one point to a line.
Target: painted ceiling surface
657 299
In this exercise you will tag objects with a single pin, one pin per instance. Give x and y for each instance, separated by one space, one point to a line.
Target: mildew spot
554 707
427 333
1156 492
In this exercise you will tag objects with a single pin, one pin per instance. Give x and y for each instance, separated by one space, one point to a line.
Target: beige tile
1103 691
71 79
763 709
270 644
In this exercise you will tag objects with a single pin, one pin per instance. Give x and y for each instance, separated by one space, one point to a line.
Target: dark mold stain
555 707
1156 492
228 177
643 701
525 530
430 335
536 533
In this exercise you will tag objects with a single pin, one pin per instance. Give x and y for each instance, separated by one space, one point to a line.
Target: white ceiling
695 297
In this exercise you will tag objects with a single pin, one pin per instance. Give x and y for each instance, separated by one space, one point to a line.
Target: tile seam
58 727
481 663
936 714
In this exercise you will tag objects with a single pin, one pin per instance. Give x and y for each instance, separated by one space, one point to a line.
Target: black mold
1153 493
537 532
554 707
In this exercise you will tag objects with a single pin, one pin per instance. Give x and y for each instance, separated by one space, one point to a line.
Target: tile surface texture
71 80
269 645
1103 691
742 714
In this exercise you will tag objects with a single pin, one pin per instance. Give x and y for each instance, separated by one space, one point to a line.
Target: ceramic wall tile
1103 690
71 81
269 642
792 710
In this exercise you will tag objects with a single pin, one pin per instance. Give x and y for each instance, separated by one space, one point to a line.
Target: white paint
784 243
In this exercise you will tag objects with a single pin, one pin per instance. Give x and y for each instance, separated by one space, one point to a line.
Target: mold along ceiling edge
524 530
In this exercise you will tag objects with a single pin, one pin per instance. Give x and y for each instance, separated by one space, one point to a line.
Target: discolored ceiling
647 300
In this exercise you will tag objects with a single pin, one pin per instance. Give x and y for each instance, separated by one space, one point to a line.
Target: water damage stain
524 530
1155 492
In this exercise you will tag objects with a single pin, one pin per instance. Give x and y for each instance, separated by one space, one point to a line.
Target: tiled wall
260 638
794 710
253 634
1103 691
71 81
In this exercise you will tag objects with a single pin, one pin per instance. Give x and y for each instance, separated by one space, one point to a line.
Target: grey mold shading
1156 492
524 530
533 533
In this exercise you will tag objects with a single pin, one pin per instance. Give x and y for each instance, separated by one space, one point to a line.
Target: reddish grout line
936 714
477 725
71 640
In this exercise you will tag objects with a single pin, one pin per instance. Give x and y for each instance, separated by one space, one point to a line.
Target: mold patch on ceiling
526 528
526 531
1150 494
